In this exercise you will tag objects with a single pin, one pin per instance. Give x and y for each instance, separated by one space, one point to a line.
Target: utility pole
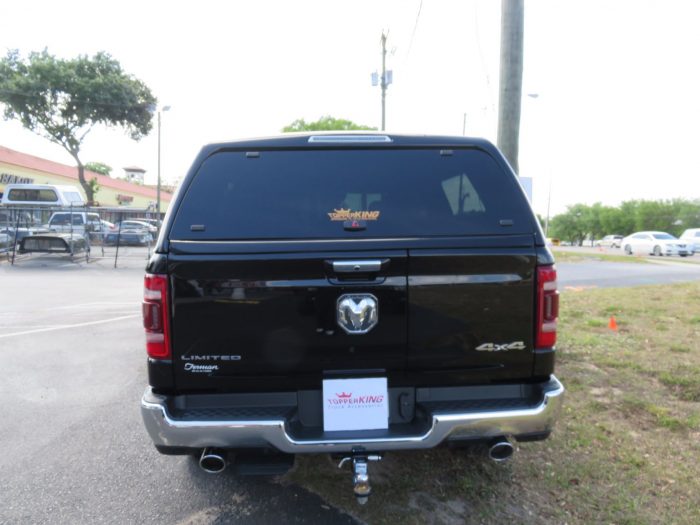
164 108
384 79
384 83
158 186
511 79
464 125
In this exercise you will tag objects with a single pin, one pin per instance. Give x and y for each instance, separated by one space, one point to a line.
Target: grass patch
685 382
679 349
564 256
596 323
625 449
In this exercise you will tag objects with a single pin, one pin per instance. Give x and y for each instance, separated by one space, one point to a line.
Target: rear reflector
547 307
155 316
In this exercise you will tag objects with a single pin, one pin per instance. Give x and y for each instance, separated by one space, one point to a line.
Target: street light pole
164 108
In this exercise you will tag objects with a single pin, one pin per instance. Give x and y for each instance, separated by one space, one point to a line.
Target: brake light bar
547 307
155 316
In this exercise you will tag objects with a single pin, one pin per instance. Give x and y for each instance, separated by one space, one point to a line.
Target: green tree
628 217
94 187
581 221
687 214
612 221
655 215
99 167
571 226
63 99
326 123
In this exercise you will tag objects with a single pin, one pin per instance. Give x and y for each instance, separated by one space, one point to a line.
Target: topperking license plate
355 404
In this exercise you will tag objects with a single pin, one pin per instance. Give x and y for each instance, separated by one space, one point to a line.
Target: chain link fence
81 233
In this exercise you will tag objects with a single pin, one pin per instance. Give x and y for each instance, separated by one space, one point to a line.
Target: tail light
155 316
547 307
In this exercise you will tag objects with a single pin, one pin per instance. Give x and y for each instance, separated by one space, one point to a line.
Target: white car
612 241
655 243
76 222
137 225
692 238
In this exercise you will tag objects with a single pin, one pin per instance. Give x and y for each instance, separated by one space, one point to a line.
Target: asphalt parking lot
75 450
74 447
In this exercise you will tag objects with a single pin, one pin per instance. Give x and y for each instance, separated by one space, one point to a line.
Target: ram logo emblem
358 313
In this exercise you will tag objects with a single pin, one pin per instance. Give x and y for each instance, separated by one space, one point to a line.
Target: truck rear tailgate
244 320
471 312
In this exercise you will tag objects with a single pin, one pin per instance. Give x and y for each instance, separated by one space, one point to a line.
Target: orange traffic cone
612 324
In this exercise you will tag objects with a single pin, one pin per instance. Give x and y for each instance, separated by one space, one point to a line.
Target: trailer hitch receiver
360 474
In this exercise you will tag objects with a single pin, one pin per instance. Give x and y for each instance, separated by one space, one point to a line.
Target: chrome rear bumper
168 431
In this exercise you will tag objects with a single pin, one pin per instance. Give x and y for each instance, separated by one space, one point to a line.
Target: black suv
352 294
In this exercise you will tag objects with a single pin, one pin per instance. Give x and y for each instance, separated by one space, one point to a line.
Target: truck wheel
628 249
657 251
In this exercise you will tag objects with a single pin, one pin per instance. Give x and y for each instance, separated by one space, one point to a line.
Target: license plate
355 404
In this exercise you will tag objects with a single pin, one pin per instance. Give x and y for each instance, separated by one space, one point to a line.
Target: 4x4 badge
493 347
358 313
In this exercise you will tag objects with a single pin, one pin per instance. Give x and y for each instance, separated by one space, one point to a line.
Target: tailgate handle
366 266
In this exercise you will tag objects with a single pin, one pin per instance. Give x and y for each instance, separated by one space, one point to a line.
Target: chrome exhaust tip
213 461
501 450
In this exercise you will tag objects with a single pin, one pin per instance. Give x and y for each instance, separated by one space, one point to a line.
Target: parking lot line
63 327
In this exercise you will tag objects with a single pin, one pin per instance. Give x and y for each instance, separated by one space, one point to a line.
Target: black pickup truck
351 294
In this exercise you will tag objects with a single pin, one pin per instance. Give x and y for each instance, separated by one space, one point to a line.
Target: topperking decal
348 215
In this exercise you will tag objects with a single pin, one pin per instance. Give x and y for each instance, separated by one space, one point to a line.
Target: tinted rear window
32 195
350 194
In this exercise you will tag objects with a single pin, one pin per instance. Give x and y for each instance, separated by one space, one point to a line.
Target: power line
415 26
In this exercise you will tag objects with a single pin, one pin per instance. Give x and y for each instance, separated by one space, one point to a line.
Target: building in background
134 174
17 167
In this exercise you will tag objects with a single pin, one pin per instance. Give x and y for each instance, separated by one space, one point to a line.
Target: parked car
153 222
610 241
128 238
75 222
21 233
132 224
692 238
15 217
5 242
655 243
107 226
308 296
